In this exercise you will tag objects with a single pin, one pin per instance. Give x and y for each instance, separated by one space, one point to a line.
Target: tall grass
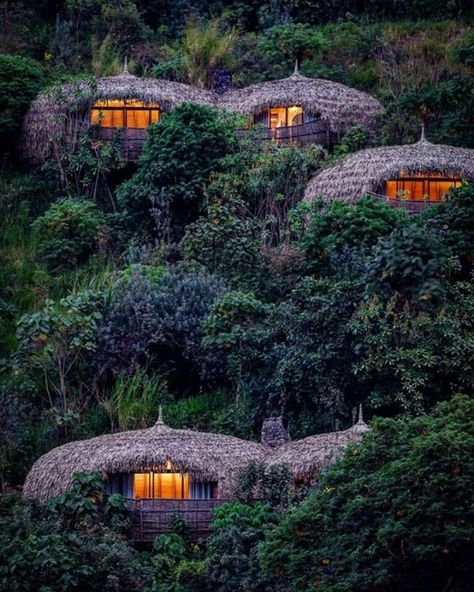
135 400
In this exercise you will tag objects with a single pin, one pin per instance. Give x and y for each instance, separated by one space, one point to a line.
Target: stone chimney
274 432
221 81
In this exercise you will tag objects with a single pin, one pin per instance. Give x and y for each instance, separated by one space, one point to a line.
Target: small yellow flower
326 561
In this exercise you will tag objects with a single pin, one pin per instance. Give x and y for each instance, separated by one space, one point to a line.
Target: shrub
69 232
179 155
20 81
394 514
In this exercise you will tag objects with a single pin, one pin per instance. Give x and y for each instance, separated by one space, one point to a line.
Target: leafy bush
66 547
395 513
231 556
69 232
160 324
20 81
342 226
179 155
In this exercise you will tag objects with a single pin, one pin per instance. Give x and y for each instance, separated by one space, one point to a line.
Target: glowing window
124 113
421 187
161 485
285 116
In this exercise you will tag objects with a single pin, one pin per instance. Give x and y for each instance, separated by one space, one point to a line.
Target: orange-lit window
421 187
124 113
161 485
285 116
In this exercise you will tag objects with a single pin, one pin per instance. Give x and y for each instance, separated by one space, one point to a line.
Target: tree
69 232
341 226
159 324
394 514
224 241
20 81
56 339
72 544
409 266
231 557
178 158
452 221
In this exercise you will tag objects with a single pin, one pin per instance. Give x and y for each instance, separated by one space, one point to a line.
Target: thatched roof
308 457
364 172
338 105
56 115
166 93
205 456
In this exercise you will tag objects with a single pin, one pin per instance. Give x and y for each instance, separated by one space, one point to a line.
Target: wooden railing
412 207
152 517
312 132
131 140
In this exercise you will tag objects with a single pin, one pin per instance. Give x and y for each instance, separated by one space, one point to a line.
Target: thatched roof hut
308 457
367 171
339 106
203 456
56 116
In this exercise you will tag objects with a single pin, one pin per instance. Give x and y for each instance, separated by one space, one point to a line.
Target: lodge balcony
131 140
410 206
309 133
151 517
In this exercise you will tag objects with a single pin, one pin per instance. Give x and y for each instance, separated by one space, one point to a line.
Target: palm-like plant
206 47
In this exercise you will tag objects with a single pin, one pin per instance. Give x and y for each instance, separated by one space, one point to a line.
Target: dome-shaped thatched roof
205 456
166 93
338 105
306 458
364 172
56 115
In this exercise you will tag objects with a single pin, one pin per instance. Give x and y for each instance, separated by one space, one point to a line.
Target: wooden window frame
455 181
125 108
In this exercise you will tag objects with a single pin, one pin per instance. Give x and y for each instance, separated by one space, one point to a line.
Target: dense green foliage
73 544
21 79
179 155
199 279
396 514
69 232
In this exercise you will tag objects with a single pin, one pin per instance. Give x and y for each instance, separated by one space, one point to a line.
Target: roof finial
297 68
360 426
423 138
160 421
125 65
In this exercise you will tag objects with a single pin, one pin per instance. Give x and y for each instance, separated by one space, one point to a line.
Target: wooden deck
131 140
412 207
152 517
313 132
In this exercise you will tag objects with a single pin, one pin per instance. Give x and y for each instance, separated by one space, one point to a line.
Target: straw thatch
365 172
308 457
56 117
338 105
205 456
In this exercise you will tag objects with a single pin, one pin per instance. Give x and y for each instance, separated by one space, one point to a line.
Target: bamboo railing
152 517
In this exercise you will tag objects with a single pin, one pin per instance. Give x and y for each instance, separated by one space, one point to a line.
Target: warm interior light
421 186
161 485
285 116
130 113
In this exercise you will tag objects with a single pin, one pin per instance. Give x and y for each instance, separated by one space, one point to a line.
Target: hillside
185 245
